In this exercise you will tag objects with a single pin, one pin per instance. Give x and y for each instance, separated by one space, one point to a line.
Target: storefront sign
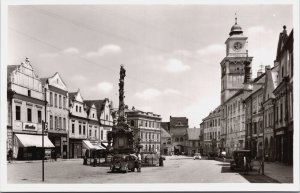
29 126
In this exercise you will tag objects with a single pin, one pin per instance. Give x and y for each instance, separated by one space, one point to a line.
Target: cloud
184 53
104 50
257 31
149 93
78 78
48 55
176 66
211 49
70 50
171 92
105 87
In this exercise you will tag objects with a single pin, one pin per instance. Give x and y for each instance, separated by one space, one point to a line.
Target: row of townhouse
73 124
211 126
255 114
269 108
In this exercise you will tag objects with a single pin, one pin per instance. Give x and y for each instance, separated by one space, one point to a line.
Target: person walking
139 162
10 155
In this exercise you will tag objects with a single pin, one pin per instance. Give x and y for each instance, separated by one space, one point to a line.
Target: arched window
132 122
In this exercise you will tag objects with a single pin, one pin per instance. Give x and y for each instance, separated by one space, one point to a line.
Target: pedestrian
10 155
139 163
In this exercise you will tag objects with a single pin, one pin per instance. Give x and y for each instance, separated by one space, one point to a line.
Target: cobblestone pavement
177 169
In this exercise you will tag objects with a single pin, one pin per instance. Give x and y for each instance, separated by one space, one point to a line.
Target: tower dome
236 28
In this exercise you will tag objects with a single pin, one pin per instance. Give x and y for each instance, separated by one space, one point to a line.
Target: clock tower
236 66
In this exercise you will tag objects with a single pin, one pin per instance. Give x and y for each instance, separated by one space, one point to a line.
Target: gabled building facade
57 113
284 126
78 124
268 112
178 127
26 112
193 141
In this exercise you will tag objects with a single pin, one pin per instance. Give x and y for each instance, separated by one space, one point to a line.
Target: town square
133 94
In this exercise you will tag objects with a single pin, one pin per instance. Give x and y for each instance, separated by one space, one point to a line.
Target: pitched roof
43 81
72 95
164 133
175 120
193 133
99 104
165 125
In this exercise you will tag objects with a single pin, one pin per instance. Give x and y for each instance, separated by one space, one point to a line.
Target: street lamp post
263 144
43 130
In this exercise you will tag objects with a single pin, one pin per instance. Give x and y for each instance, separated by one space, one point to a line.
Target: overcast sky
172 53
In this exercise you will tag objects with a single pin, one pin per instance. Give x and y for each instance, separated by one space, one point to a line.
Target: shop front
29 147
61 144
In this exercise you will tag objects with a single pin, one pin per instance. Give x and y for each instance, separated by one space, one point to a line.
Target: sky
171 53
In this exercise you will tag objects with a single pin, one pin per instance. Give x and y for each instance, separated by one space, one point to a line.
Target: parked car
241 160
119 163
197 156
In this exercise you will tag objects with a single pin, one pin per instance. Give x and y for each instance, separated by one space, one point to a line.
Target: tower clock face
237 46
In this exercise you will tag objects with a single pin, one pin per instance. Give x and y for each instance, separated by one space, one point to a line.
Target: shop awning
33 141
104 145
88 145
99 147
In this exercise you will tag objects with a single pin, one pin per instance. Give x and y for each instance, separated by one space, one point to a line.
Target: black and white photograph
149 96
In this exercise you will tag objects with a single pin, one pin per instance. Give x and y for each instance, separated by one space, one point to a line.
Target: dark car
119 162
241 160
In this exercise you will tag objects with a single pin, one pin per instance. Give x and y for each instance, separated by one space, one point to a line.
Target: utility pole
263 145
43 130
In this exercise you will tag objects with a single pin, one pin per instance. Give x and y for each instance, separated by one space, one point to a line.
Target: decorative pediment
57 81
78 97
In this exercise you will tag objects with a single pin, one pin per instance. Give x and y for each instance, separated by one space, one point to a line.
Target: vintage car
124 163
197 156
241 160
119 163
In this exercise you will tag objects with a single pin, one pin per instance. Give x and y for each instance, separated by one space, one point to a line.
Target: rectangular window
29 118
59 100
95 133
83 129
51 99
64 102
101 134
60 123
51 122
90 132
65 124
55 100
55 122
79 129
73 128
18 113
39 116
29 93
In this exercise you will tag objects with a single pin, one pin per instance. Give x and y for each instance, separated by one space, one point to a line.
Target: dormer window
178 123
76 108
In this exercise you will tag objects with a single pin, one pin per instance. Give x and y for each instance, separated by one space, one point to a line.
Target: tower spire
235 18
